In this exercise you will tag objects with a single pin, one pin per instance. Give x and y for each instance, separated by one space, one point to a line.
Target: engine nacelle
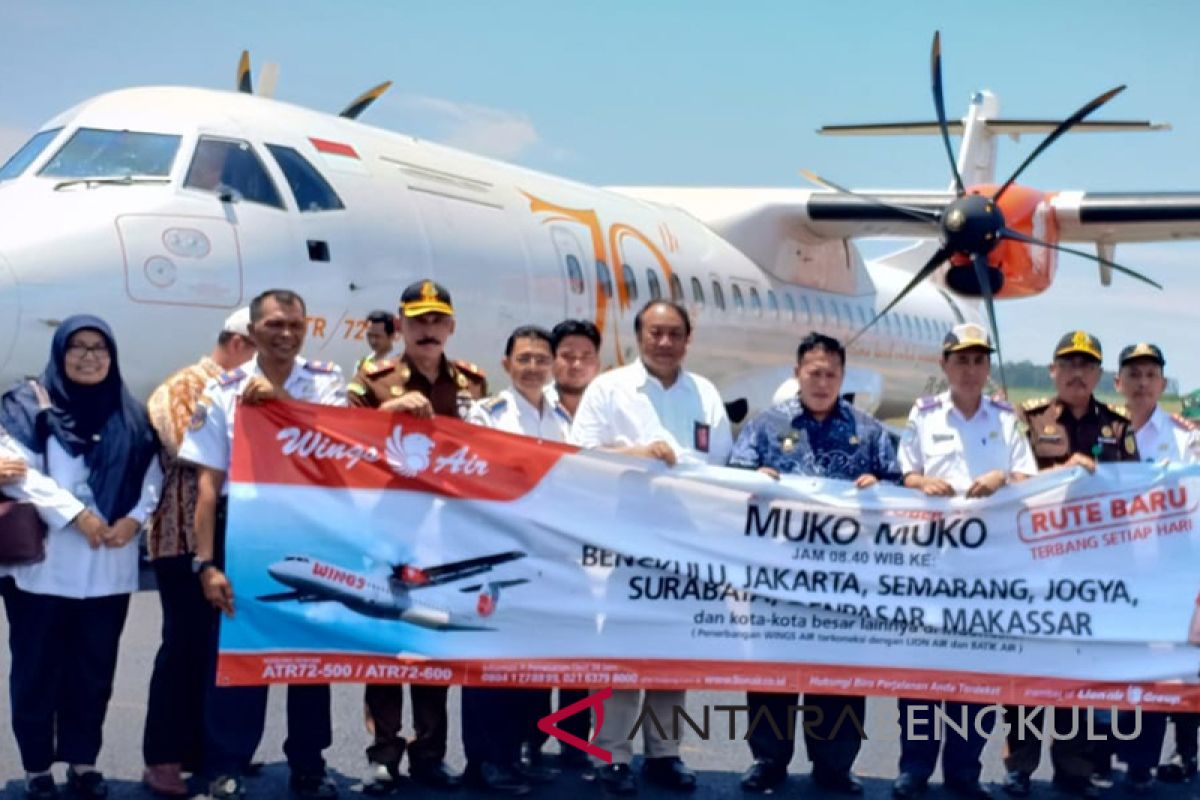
1027 269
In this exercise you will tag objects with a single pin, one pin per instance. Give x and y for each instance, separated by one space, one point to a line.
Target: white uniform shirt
71 567
209 440
940 442
1163 438
510 411
629 406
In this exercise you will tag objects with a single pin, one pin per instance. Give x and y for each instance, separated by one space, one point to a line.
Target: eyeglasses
99 351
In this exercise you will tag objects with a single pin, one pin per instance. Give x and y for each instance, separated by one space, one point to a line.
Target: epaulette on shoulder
471 368
321 367
928 403
1183 423
494 405
1001 403
231 377
1034 405
1119 411
377 368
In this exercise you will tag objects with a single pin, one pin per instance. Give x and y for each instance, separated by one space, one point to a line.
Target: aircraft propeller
244 84
971 225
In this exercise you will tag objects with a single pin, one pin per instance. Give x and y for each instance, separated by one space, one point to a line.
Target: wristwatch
201 564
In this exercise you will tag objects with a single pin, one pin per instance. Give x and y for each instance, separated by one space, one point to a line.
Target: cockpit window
231 169
26 155
96 153
312 192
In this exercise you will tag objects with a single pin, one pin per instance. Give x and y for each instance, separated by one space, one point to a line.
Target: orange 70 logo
548 724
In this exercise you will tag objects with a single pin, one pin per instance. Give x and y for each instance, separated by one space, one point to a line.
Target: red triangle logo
549 724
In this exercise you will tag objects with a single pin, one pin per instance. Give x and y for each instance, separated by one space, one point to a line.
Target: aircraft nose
10 313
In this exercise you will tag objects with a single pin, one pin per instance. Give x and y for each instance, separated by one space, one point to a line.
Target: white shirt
1163 438
629 406
940 442
209 440
510 411
71 567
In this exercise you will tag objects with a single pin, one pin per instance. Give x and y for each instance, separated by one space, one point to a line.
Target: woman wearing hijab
93 475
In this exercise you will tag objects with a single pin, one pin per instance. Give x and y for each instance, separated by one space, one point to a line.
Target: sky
698 93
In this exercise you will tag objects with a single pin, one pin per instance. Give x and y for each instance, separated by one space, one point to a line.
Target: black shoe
617 779
1177 770
535 772
840 782
1139 782
968 790
226 787
1076 786
669 772
496 778
316 786
434 776
41 787
570 758
907 786
380 779
764 775
1016 784
90 784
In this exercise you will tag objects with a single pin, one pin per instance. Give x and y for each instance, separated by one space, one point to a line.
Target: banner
368 547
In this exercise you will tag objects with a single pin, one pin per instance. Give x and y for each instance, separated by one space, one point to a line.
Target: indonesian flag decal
338 155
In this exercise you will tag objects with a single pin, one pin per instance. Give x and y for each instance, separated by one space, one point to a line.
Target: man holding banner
655 409
956 443
817 434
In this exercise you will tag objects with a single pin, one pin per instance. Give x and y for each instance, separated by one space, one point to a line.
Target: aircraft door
578 277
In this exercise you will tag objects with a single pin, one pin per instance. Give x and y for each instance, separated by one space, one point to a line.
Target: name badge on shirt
700 436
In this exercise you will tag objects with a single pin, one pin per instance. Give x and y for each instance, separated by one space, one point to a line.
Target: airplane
314 581
164 208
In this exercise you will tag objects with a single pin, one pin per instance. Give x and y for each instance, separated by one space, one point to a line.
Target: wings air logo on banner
287 443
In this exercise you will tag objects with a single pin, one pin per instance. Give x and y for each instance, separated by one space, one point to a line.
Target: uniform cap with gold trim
1079 342
425 297
966 336
1142 350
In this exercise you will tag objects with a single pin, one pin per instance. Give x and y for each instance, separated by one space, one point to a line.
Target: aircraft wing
280 597
458 570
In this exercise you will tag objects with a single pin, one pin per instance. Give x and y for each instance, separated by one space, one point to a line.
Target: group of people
99 466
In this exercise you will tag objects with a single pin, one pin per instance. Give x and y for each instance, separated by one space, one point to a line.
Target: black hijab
101 422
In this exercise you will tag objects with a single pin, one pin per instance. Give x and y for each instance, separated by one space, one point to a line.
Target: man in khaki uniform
422 382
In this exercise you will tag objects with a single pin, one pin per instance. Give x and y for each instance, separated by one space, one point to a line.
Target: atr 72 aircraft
314 581
164 208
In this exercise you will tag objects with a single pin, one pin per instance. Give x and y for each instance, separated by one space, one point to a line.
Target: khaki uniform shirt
380 381
1055 434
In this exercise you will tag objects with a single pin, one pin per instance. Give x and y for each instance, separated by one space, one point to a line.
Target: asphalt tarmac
719 761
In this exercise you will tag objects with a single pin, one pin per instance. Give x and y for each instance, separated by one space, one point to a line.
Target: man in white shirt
655 409
957 443
1161 437
235 716
527 407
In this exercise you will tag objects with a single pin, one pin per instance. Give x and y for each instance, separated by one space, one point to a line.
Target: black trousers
64 656
234 716
1186 726
960 754
832 736
497 721
1073 757
174 731
385 704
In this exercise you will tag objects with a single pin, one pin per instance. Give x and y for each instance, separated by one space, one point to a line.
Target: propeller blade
243 74
1062 128
922 214
939 105
979 262
360 103
1009 233
931 265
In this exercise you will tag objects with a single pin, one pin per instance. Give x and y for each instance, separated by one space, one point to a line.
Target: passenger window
652 284
311 191
718 296
805 310
575 274
96 153
27 154
738 303
697 292
630 283
605 278
676 288
772 304
819 317
227 166
791 305
755 302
